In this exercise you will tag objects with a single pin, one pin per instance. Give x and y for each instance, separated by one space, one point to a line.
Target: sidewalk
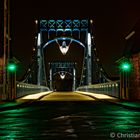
21 102
134 105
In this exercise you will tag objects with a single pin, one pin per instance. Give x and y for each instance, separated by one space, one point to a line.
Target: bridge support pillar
124 85
88 60
11 86
51 79
74 79
39 61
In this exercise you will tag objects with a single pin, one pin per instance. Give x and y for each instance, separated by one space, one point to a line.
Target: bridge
64 58
65 93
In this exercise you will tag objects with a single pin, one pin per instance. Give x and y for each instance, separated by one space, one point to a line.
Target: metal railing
23 89
111 88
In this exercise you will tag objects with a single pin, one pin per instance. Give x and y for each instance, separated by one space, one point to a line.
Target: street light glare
62 75
11 67
126 66
36 21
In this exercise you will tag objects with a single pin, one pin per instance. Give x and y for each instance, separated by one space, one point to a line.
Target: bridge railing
23 89
110 88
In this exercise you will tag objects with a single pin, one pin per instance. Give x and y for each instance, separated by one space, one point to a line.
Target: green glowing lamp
126 66
11 67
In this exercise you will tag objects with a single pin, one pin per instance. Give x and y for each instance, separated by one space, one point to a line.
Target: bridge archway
50 33
63 81
65 34
74 58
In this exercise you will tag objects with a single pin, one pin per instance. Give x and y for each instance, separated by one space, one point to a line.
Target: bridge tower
64 33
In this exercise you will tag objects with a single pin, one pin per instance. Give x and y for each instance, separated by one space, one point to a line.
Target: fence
25 89
110 88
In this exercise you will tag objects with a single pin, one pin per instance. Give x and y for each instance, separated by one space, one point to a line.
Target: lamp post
6 46
125 68
11 70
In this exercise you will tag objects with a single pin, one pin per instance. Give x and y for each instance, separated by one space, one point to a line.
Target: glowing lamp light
126 66
36 21
11 67
39 40
64 48
62 75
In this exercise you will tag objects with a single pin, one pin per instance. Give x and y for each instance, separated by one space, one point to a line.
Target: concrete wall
134 88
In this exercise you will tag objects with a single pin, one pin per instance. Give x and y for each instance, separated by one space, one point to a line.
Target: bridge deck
66 96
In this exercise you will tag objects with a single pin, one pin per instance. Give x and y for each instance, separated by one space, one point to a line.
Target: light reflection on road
67 120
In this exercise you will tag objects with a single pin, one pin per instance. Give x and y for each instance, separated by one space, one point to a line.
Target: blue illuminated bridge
64 59
65 94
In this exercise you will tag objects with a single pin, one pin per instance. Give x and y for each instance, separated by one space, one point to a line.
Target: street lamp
11 70
125 66
64 47
11 67
62 75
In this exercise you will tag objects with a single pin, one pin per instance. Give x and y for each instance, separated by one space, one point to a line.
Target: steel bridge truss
63 69
58 31
75 30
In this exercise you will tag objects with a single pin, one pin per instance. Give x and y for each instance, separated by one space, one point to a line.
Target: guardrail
23 89
110 88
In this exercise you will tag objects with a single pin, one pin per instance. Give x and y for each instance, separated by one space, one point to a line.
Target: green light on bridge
11 67
126 66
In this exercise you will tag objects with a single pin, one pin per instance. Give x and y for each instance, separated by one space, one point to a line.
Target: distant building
132 51
135 77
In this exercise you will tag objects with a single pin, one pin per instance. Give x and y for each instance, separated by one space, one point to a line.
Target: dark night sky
113 20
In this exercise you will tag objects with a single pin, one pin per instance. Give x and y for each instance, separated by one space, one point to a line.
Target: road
61 116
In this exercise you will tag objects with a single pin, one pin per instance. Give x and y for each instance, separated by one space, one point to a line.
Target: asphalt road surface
63 117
